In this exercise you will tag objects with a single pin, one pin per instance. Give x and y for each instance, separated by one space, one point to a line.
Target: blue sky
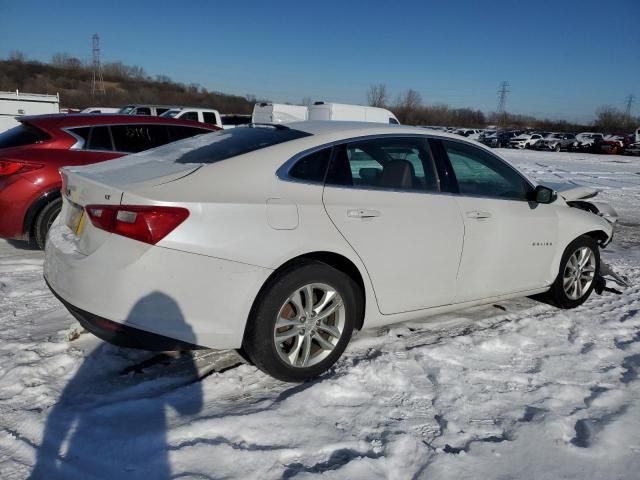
562 58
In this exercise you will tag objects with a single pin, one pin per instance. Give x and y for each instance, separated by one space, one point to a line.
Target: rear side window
190 116
238 141
22 135
100 139
313 167
82 134
136 138
177 132
390 163
209 117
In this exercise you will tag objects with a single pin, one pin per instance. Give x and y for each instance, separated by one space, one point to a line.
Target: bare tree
377 95
16 56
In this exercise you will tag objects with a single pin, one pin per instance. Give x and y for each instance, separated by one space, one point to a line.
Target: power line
97 83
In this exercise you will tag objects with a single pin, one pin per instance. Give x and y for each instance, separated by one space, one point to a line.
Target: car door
384 197
509 242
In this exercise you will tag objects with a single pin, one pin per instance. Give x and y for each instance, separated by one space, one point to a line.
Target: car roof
345 129
64 120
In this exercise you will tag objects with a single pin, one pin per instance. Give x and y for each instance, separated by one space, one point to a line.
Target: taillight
10 167
148 224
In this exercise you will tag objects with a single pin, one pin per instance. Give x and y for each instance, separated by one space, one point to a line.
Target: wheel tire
259 341
558 294
557 149
44 220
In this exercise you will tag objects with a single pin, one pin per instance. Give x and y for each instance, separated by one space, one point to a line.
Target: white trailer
278 113
344 112
13 104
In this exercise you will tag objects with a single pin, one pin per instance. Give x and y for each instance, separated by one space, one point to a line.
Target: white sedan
280 240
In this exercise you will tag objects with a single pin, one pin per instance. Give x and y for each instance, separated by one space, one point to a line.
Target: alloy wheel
309 325
579 273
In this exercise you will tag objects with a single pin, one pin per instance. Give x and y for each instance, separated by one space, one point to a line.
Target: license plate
80 225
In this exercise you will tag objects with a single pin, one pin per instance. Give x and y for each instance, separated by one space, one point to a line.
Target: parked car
525 140
152 110
202 115
556 142
614 144
586 142
344 227
499 139
344 112
32 153
470 133
279 113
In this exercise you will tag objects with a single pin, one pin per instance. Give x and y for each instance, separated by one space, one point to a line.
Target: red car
32 153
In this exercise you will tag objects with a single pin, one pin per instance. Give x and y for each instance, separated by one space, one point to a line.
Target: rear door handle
478 214
362 213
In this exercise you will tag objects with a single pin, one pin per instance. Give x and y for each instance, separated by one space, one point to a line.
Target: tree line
410 109
124 84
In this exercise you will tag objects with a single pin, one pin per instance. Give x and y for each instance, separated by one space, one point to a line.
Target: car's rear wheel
579 268
557 149
302 321
44 220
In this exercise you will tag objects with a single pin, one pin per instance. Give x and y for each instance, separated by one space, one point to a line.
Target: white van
357 113
202 115
278 113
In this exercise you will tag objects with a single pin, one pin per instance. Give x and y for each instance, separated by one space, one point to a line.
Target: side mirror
544 194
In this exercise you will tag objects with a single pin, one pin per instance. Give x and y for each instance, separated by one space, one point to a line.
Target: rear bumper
187 298
123 335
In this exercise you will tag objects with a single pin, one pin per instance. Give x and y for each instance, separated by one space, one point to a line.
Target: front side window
479 173
393 121
160 111
136 138
312 167
390 163
100 139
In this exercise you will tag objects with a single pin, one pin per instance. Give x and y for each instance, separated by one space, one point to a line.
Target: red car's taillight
148 224
10 167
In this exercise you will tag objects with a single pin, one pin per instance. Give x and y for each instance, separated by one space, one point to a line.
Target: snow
513 390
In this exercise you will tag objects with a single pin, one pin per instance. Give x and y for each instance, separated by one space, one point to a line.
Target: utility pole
502 100
97 83
630 100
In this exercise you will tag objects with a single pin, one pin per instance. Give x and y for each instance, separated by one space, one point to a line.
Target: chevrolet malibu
280 241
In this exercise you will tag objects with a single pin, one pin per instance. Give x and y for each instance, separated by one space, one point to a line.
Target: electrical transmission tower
630 100
97 84
502 97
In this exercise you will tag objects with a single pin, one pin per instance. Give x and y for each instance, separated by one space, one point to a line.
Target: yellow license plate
80 226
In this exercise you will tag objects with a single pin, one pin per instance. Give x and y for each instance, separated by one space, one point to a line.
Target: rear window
22 135
238 141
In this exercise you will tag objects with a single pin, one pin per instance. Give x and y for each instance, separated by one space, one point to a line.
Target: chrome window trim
283 171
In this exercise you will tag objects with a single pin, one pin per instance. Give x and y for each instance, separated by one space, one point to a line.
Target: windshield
22 135
126 110
226 144
170 113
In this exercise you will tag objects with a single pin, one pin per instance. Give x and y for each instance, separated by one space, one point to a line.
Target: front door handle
362 213
478 214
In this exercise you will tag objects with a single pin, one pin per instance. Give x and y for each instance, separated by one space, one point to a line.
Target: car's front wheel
579 268
302 321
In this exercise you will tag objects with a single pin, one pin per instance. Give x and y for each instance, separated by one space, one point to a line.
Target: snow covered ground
513 390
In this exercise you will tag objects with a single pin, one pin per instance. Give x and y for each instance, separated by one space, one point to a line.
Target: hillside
123 85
